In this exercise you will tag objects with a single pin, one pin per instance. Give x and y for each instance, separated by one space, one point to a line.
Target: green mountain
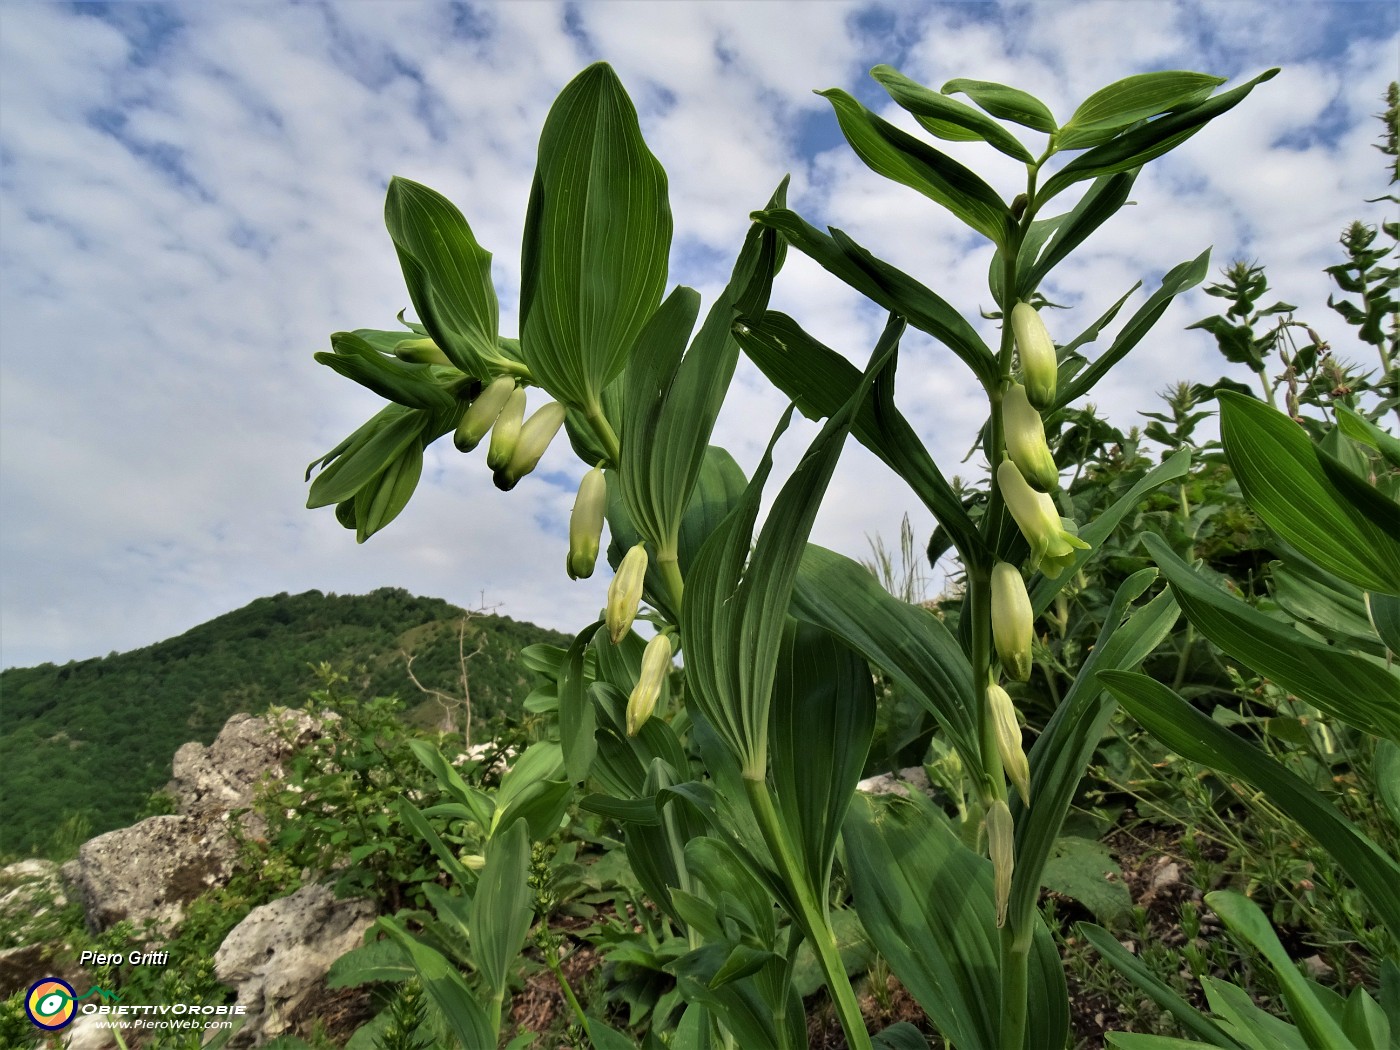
96 737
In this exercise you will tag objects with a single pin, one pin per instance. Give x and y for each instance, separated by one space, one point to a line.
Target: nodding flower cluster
517 443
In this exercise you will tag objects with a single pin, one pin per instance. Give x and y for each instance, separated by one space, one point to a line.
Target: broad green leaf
1085 871
368 452
1247 1023
1198 738
542 761
464 1015
503 907
906 642
926 901
412 386
1133 1041
897 155
734 619
1178 279
1360 692
1008 103
1331 606
1246 920
1358 428
1132 99
1128 964
414 818
381 960
448 275
715 863
891 288
1364 1022
741 1007
823 719
1067 744
1100 203
597 236
576 718
381 501
1385 774
900 1036
820 381
1384 610
947 117
477 802
605 1037
1135 148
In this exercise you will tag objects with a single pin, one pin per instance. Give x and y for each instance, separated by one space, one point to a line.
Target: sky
191 200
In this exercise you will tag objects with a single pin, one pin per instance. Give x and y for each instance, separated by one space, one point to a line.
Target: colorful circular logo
50 1003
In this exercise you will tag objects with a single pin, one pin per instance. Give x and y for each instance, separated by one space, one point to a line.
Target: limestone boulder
277 958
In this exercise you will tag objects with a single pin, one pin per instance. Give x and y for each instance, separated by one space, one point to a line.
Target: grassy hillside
97 736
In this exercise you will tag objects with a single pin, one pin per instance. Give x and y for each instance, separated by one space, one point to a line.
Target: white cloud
191 199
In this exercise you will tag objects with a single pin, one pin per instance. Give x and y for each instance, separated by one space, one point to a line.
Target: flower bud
1001 847
625 592
1039 369
421 352
1024 434
1012 620
535 435
1013 757
1052 545
656 664
482 413
505 432
586 524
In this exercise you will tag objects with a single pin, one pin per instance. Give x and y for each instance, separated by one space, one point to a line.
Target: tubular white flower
1039 368
656 664
1013 623
1013 757
535 435
625 592
1024 434
482 413
586 524
506 431
1052 545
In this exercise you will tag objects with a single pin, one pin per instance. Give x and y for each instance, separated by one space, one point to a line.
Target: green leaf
1085 871
1385 774
503 907
381 960
597 236
1128 964
1360 692
448 275
465 1018
820 381
900 1036
1195 737
1135 148
897 155
1361 429
409 385
718 866
906 642
891 288
366 455
946 117
926 901
1132 99
1068 742
1100 203
1246 920
1384 610
414 818
734 619
1008 103
576 718
823 719
1178 279
380 502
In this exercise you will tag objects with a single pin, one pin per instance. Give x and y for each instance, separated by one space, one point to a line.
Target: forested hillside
97 736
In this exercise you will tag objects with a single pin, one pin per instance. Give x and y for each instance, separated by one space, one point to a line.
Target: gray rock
150 870
83 1034
211 781
276 959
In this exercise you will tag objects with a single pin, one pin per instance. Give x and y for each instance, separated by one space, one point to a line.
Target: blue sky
191 200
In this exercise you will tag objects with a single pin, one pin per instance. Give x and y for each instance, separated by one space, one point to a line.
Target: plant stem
812 915
551 958
1015 959
668 564
604 432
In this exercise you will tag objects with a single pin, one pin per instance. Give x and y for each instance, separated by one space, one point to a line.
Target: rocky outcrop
276 959
153 869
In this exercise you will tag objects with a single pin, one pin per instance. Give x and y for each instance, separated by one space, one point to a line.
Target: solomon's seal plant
735 804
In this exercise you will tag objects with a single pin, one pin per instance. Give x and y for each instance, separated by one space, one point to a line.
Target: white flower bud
1039 367
1024 434
656 665
1008 730
1001 847
535 435
625 592
586 524
482 413
1013 624
506 431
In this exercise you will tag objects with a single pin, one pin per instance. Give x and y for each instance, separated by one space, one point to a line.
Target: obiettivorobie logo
52 1003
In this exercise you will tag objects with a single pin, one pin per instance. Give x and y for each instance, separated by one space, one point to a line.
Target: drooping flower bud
1052 545
421 352
656 664
482 413
505 432
1013 757
1039 369
535 435
586 524
1001 847
625 592
1024 433
1013 624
